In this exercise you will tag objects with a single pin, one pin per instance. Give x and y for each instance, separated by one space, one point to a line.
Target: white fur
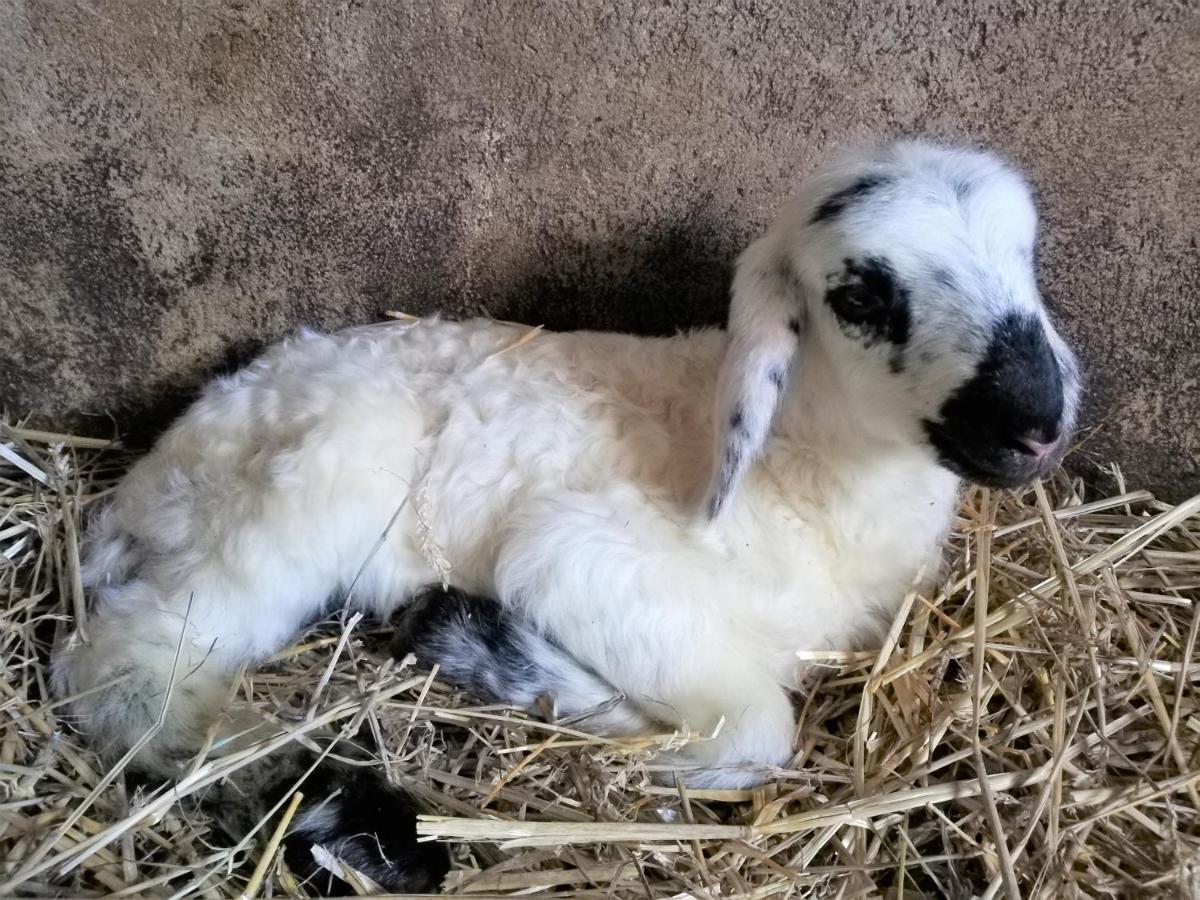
568 477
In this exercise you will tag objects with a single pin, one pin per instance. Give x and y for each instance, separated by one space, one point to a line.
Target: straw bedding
1032 727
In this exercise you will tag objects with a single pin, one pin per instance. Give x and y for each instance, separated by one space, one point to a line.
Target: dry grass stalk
1031 725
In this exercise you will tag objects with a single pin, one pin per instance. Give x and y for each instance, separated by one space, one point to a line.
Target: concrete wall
180 182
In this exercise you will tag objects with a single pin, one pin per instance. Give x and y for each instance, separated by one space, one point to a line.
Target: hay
1033 725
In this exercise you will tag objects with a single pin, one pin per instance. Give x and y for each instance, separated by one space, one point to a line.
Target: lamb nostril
1036 448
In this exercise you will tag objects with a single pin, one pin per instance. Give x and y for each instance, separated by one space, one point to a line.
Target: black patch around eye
836 203
870 302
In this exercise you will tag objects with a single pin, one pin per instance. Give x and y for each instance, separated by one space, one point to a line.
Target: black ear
765 320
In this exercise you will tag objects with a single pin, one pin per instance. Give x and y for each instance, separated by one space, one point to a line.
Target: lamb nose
1036 448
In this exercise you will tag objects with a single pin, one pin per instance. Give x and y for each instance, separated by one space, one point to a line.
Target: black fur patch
366 823
835 204
495 653
477 644
351 811
794 326
729 468
1017 391
777 376
870 302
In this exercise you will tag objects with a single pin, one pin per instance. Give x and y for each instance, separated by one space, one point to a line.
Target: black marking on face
835 204
870 303
794 326
1016 394
776 376
738 421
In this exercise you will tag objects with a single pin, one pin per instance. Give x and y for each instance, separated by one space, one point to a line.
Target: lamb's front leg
642 606
697 676
745 721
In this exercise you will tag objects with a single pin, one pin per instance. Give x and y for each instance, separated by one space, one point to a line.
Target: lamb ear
765 320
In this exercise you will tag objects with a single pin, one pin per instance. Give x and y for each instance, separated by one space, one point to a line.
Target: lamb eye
856 303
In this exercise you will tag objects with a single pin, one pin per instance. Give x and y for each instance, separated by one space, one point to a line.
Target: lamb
646 529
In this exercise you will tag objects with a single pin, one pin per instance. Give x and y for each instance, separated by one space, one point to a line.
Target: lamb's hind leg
350 811
155 677
146 678
495 654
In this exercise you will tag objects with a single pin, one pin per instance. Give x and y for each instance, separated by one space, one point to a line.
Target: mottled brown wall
180 182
